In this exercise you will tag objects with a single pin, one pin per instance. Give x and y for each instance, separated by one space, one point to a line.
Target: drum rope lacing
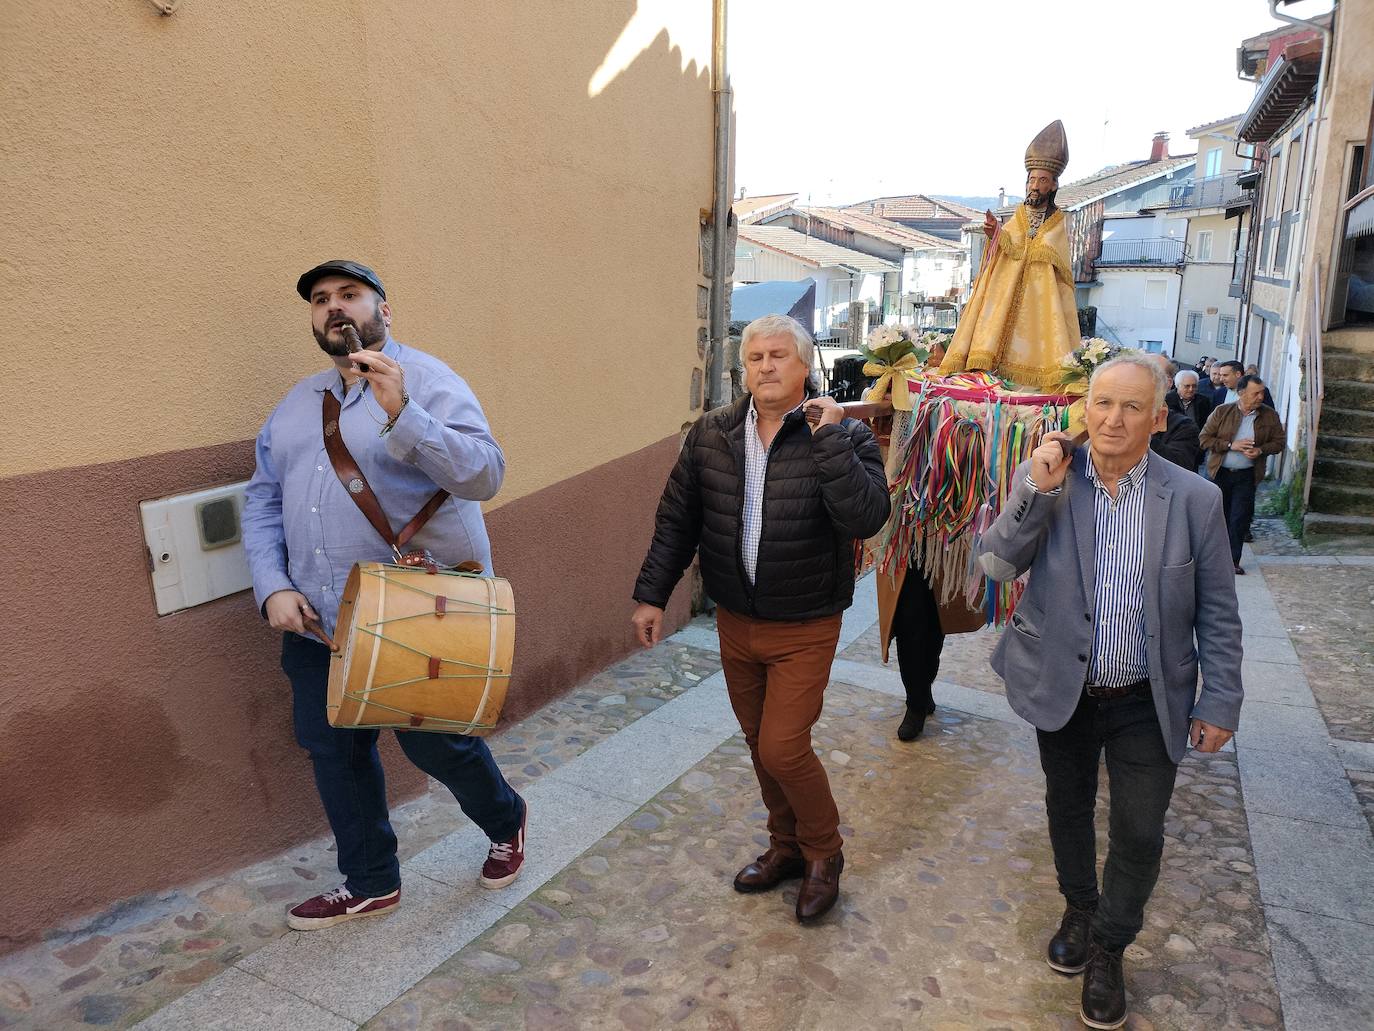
471 608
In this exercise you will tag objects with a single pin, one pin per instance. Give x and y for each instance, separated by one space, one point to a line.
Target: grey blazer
1191 615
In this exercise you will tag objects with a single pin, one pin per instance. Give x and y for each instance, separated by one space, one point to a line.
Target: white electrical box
195 546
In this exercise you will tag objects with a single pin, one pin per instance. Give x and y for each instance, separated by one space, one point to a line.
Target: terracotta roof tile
748 208
812 251
915 205
882 229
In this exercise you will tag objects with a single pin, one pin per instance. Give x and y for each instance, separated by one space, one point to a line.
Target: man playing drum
413 427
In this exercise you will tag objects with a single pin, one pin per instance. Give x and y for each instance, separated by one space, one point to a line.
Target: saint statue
1021 319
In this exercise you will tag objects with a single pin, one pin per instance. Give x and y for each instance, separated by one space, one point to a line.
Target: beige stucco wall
529 180
1206 290
163 180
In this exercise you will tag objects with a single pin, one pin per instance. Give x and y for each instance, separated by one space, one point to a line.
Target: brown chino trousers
776 674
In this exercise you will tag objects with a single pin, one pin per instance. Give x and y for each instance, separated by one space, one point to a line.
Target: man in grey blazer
1131 587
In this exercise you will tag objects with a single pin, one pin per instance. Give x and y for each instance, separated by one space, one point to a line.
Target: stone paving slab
563 821
637 763
1315 868
1317 560
964 660
1327 987
1278 683
888 680
1281 728
1273 650
948 899
239 1001
356 968
1311 787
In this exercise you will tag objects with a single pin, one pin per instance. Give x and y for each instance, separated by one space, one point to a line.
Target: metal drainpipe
1309 167
720 210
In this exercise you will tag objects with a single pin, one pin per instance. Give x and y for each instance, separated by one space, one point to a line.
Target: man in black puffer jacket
774 505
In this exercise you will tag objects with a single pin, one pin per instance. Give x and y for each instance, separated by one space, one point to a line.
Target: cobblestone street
643 804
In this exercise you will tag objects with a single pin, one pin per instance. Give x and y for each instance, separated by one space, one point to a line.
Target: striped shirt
1119 655
755 473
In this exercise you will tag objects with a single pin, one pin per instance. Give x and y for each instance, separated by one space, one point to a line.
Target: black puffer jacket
822 490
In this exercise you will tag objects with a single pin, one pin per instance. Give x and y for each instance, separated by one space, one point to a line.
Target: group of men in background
1222 424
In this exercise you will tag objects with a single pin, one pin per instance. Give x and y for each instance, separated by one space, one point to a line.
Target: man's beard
1044 200
371 332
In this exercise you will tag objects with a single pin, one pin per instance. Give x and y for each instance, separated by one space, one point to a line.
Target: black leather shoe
820 887
769 870
1068 951
913 722
1104 989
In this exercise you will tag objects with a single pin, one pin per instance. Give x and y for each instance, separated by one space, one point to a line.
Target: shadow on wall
143 752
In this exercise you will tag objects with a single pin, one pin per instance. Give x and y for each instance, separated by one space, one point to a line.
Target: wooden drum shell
391 643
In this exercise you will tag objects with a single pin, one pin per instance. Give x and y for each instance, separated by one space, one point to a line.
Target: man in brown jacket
1237 438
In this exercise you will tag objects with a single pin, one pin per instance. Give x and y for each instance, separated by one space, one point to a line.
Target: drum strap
361 492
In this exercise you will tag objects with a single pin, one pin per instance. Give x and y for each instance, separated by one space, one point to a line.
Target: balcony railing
1215 191
1142 252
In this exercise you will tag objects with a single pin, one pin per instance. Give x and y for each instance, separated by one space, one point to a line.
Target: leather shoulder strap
346 469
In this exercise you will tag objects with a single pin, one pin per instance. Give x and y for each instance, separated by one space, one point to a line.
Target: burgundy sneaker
505 858
334 907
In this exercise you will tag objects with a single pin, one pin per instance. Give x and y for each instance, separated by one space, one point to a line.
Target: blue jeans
1141 776
348 774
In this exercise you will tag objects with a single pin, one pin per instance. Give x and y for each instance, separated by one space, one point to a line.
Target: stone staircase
1342 496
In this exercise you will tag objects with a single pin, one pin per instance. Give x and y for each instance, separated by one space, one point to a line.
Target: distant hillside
976 203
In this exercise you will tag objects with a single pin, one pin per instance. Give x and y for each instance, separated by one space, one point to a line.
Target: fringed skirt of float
950 466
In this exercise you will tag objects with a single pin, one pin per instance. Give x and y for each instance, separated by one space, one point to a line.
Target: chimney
1159 147
1001 196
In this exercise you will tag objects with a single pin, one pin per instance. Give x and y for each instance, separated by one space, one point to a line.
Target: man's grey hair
780 326
1140 360
1184 375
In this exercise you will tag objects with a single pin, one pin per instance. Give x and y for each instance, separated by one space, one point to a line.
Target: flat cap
338 267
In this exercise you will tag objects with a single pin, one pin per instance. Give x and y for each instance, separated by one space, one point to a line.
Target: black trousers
916 625
1141 776
1237 504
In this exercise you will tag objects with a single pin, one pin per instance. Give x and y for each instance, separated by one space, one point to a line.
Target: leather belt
1098 691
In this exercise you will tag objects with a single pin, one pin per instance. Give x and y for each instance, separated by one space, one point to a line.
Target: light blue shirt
301 528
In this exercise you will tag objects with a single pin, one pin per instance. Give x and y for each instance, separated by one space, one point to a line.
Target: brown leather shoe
769 870
820 887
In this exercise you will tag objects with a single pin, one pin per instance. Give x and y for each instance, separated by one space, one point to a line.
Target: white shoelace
501 851
339 894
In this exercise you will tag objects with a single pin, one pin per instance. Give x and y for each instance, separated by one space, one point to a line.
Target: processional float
956 422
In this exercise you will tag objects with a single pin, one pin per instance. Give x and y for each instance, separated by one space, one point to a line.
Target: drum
421 650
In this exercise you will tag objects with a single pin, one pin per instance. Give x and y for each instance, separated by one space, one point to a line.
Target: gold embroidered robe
1022 318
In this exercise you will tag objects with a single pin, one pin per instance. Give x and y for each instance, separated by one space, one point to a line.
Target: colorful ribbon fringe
957 453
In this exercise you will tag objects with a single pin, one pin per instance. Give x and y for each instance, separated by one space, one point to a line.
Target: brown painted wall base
142 752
